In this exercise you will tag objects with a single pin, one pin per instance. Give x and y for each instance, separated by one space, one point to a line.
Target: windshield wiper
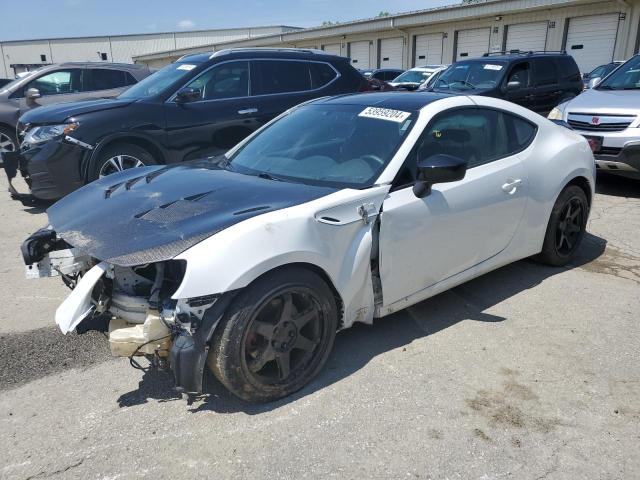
268 176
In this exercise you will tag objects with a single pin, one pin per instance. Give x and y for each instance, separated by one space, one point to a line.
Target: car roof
407 101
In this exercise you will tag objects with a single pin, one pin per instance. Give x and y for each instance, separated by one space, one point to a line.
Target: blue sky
70 18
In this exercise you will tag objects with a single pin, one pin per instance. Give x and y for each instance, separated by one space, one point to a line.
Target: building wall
120 48
496 15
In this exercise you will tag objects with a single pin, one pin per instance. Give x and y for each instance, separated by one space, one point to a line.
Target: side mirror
438 169
187 95
513 85
593 82
32 94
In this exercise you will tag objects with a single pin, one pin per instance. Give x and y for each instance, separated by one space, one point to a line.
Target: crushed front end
133 305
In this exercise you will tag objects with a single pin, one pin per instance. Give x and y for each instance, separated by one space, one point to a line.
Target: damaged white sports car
342 210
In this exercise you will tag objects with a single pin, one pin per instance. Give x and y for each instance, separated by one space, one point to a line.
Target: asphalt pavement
528 372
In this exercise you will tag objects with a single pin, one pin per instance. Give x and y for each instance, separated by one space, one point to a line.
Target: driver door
59 86
424 241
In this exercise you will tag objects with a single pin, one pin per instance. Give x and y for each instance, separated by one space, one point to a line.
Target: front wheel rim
284 337
119 163
570 225
7 145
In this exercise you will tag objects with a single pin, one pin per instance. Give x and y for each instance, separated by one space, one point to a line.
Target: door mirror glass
188 94
439 168
513 85
593 82
32 94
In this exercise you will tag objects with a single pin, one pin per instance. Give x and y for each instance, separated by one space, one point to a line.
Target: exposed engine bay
132 305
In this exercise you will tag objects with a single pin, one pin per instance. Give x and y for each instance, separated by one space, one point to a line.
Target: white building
593 31
19 56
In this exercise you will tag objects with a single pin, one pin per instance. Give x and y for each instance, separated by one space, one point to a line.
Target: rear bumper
54 168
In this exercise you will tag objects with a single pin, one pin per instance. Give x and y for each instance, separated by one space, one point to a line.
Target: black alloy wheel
283 336
569 228
275 336
566 228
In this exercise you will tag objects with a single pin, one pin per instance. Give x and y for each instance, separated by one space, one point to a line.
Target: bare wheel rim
119 163
6 144
569 227
284 337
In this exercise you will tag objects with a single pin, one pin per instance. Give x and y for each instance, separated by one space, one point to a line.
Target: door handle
247 111
511 186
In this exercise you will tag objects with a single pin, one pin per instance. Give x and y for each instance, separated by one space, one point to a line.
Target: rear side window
105 79
569 71
321 74
278 76
546 71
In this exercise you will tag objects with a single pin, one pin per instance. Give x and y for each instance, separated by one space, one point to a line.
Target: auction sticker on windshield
490 66
385 114
186 66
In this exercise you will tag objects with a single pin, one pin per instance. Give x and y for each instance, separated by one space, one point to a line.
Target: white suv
608 116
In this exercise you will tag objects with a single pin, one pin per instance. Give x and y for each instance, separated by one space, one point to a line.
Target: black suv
199 106
536 80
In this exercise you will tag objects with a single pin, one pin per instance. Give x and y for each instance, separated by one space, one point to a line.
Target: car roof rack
524 52
269 49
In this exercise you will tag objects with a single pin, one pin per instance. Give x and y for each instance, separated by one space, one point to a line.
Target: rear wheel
566 228
8 142
119 157
275 336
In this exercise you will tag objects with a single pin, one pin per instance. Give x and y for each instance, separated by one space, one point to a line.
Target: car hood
606 101
152 214
59 113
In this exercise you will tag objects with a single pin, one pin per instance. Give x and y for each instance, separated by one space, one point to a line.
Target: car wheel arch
152 147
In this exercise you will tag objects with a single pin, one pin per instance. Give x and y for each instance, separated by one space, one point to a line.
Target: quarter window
277 76
321 74
227 80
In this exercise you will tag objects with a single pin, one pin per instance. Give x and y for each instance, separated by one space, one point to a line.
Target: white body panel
428 49
391 52
294 235
527 37
426 246
591 40
360 54
472 43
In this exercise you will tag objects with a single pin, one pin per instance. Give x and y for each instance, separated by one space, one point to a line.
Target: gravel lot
528 372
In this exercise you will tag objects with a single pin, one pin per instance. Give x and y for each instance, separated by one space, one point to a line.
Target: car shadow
617 186
357 346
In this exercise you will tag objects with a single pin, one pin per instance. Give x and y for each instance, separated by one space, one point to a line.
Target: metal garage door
591 40
391 52
472 43
359 54
527 37
428 49
332 49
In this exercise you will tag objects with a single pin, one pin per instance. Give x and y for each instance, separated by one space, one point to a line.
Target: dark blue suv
199 106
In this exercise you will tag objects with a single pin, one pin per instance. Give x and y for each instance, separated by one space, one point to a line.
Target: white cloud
186 24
